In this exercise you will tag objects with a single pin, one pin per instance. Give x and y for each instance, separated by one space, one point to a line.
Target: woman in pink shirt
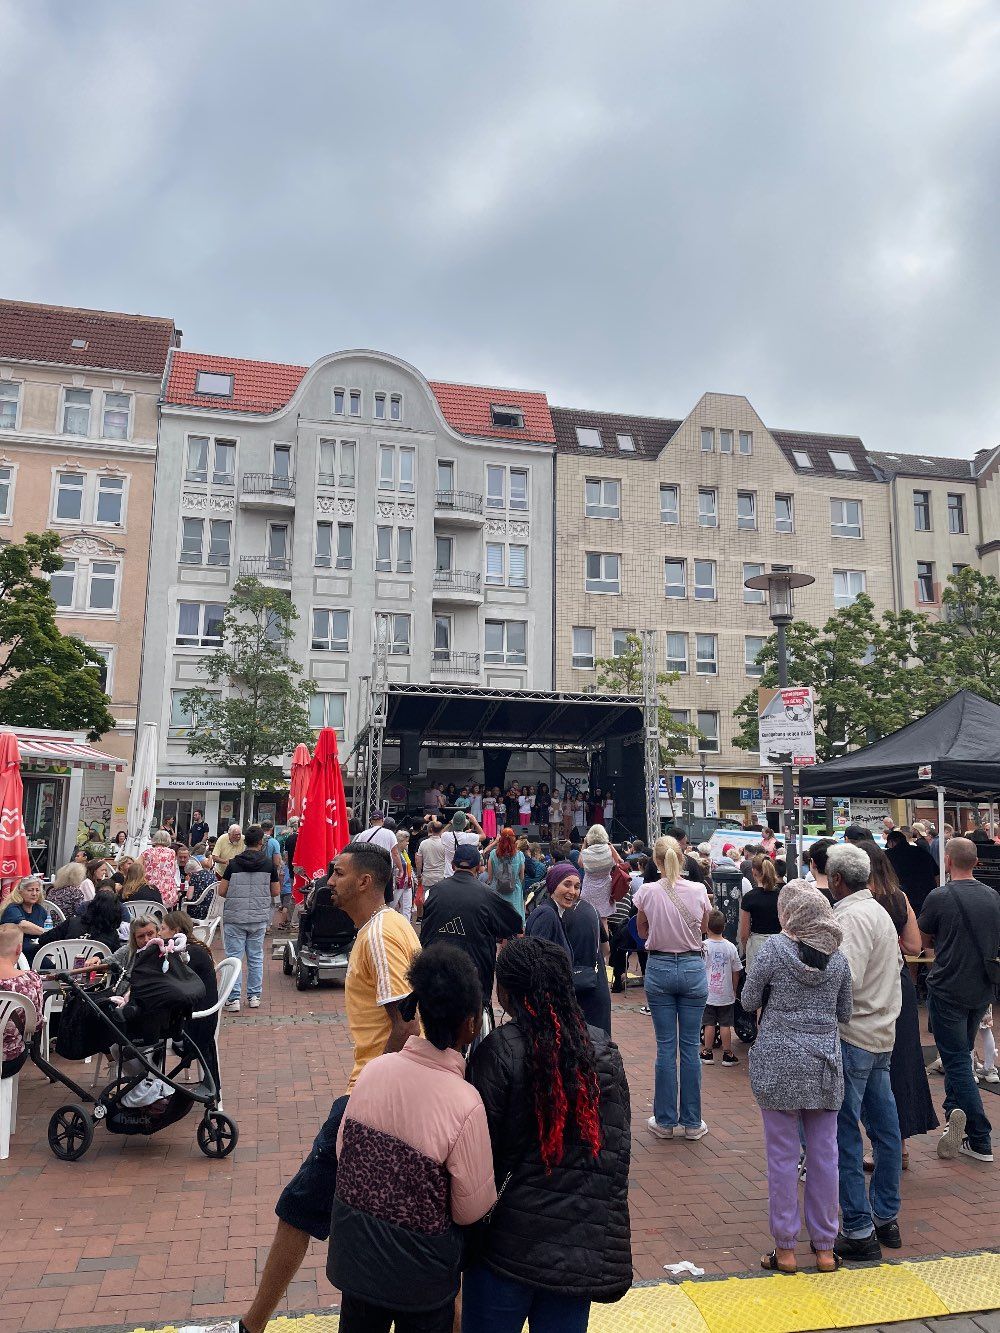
159 864
672 919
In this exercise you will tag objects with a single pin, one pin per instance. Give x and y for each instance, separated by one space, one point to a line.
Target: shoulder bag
991 966
695 922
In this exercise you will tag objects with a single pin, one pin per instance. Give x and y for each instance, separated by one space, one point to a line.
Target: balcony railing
455 664
463 502
458 580
268 485
265 566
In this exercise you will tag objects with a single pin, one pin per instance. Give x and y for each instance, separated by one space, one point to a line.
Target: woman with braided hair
557 1104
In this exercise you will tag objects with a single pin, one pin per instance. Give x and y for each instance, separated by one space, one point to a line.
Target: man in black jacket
464 912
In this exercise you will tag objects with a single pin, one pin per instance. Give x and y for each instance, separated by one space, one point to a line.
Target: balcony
463 587
446 663
459 509
265 490
277 569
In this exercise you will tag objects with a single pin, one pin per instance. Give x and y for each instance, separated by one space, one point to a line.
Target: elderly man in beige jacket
871 947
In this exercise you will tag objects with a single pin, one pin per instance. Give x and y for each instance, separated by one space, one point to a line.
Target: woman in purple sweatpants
803 983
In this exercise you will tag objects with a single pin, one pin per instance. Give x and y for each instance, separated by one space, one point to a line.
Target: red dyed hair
506 843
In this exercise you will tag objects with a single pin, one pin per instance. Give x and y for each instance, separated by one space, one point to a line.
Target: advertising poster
785 719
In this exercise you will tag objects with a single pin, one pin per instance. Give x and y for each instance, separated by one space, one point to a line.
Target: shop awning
39 750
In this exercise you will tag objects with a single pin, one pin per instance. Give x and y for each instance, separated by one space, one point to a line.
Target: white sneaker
231 1007
950 1142
697 1133
254 1001
992 1076
967 1150
227 1326
935 1066
661 1131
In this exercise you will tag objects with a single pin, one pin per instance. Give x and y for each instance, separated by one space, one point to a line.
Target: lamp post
704 789
779 585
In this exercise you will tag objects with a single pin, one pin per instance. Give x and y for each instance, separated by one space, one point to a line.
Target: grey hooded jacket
248 900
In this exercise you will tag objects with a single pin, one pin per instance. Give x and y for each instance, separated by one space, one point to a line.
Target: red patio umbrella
323 831
13 843
299 784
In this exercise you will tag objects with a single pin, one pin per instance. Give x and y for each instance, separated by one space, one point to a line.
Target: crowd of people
554 812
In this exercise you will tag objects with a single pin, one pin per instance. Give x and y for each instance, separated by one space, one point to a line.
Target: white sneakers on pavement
231 1007
254 1001
697 1133
950 1142
670 1131
660 1131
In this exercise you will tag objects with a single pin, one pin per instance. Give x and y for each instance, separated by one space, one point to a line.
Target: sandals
838 1261
770 1262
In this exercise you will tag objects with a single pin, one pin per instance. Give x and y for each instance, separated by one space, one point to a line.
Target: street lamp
704 788
779 585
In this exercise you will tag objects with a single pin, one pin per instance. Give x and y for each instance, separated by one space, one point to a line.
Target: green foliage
970 632
623 675
47 679
264 713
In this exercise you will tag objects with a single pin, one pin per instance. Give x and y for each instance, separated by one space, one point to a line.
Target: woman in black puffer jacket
557 1103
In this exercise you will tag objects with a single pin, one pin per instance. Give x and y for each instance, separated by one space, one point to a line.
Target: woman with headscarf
564 919
796 1072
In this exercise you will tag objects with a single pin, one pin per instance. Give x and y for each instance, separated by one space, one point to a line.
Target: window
669 505
442 638
583 647
746 442
507 642
803 459
753 645
354 403
603 572
445 475
396 630
117 412
388 540
386 467
105 672
494 564
925 581
395 407
220 540
199 624
6 492
841 461
339 400
407 466
922 511
517 566
512 559
746 511
69 496
626 444
78 344
281 466
224 464
518 488
109 502
753 596
326 557
957 569
383 550
197 459
708 509
675 578
62 585
847 585
331 631
102 587
214 385
602 497
396 468
707 440
506 418
704 580
9 395
706 654
784 514
444 548
956 513
588 438
76 411
845 518
496 486
277 547
181 720
725 441
677 653
193 540
620 646
708 725
328 710
380 407
337 463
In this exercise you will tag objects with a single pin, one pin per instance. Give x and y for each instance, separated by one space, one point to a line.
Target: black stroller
137 1039
321 951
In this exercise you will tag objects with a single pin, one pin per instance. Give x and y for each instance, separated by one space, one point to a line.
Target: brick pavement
146 1231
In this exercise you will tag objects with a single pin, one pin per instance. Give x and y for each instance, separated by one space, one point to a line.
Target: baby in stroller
325 936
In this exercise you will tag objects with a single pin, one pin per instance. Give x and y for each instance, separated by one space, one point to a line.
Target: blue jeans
249 940
868 1096
955 1028
495 1304
676 989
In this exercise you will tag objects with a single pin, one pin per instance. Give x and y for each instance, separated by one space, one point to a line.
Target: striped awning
40 751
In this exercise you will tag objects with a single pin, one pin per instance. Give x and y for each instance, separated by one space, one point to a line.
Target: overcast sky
623 204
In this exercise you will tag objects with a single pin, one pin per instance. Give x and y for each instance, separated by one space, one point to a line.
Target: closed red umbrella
299 784
13 843
323 831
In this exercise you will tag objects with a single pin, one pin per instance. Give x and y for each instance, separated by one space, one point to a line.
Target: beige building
79 392
660 522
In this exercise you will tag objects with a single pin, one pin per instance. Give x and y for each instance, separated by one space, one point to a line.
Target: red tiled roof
258 386
136 343
466 408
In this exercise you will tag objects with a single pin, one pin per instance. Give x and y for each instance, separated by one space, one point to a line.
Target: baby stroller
322 948
143 1095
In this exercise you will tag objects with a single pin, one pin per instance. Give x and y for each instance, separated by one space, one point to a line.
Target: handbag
991 966
621 882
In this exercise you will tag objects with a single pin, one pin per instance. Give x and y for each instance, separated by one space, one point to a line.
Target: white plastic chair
227 973
11 1004
136 908
63 955
56 913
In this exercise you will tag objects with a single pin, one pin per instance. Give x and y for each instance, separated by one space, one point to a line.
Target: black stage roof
521 719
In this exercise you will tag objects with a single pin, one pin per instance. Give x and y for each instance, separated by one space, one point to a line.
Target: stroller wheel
287 966
217 1134
71 1132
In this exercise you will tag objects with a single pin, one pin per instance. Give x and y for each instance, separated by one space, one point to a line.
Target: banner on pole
785 723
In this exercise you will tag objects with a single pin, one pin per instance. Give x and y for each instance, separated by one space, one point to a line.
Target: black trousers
358 1316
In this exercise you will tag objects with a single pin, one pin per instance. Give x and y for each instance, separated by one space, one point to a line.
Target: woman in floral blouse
159 864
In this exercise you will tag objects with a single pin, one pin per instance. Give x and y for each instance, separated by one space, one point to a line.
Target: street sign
750 794
785 725
689 788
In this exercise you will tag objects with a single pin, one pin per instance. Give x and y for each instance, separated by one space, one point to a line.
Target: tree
47 678
969 635
264 712
622 674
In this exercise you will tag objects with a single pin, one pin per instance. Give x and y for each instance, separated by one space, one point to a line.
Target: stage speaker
614 759
409 753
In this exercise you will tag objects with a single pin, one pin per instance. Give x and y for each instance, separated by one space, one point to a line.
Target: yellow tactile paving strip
916 1289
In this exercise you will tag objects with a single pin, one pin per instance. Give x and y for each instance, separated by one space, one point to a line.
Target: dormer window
626 444
802 458
842 462
506 418
213 385
588 438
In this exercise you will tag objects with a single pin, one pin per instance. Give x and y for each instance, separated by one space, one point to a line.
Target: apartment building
79 396
660 522
370 495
